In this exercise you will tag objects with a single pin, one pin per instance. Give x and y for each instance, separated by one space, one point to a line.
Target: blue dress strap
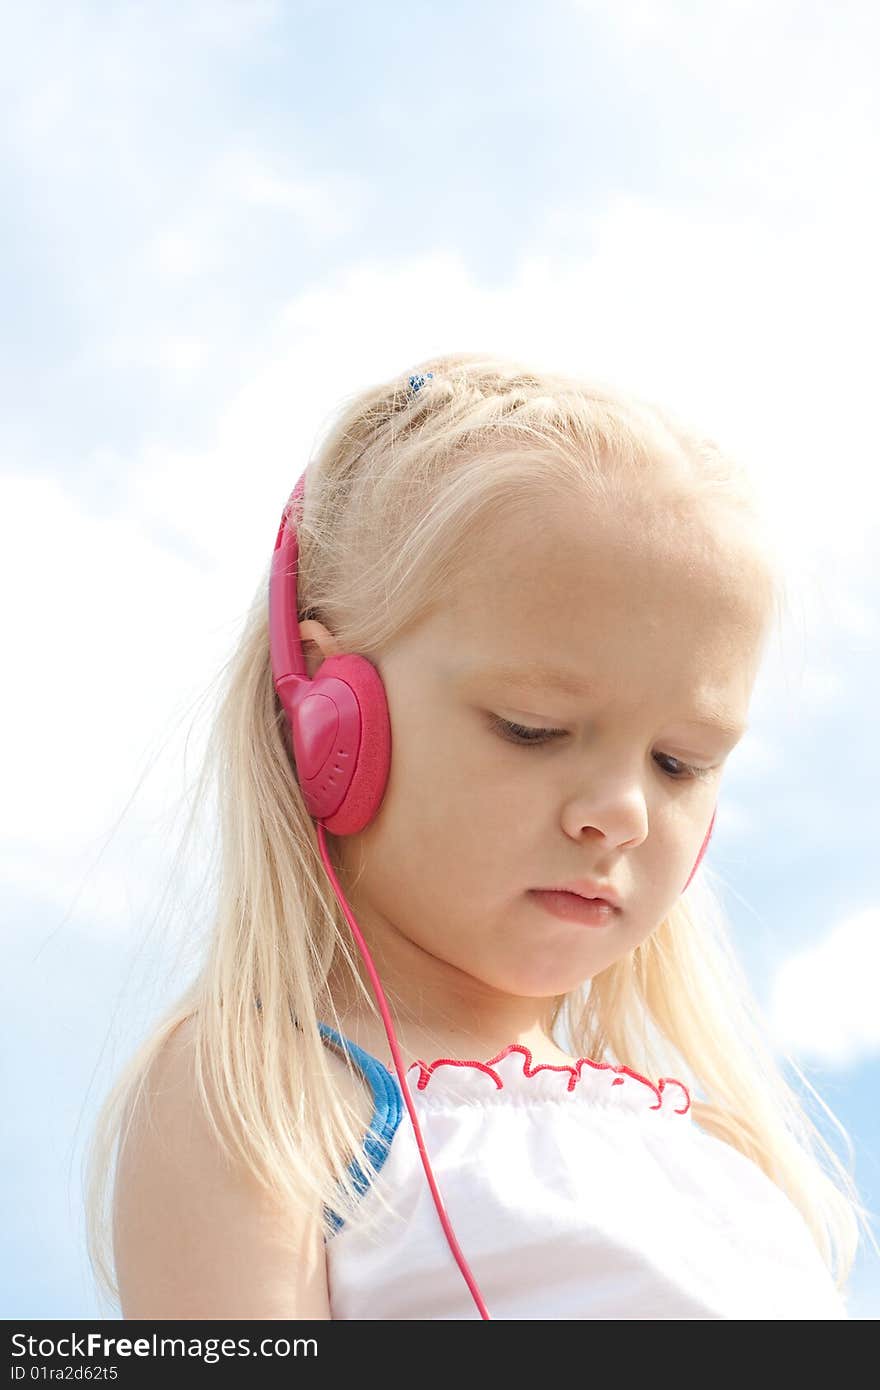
387 1109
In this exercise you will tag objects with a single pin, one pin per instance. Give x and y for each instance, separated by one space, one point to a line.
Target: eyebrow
536 675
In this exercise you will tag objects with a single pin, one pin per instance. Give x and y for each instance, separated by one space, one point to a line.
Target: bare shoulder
194 1235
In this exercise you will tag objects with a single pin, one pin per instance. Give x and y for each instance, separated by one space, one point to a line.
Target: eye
689 771
518 733
521 735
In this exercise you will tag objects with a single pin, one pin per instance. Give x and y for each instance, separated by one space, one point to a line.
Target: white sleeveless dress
580 1191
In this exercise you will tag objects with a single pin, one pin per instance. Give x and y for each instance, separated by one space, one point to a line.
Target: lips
574 907
585 888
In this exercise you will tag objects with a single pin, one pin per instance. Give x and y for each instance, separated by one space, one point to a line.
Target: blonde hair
394 497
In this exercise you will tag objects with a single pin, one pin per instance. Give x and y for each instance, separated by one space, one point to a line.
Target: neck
457 1029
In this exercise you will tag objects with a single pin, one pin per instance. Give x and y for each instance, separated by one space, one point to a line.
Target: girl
419 1074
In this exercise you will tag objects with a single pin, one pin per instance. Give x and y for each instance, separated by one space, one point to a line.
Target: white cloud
108 633
325 207
180 254
823 1003
184 356
722 44
227 23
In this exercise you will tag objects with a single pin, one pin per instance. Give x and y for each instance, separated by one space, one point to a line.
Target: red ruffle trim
427 1069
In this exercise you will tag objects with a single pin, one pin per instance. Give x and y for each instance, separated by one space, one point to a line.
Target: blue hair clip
416 381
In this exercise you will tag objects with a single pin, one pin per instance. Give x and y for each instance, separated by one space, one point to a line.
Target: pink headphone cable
395 1052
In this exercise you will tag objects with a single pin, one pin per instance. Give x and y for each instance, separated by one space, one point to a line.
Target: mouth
575 907
589 890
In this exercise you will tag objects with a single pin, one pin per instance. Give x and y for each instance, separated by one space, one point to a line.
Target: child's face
470 822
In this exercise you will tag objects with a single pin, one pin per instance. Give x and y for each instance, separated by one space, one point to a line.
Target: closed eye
521 735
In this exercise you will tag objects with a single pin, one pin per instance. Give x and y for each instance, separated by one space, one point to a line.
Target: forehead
606 604
644 556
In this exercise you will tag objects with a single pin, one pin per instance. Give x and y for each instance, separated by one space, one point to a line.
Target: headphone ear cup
341 737
702 849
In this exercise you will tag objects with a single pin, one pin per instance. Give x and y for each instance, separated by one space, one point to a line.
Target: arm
195 1238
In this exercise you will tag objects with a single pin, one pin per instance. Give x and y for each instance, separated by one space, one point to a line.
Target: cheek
425 810
500 808
456 800
454 777
457 833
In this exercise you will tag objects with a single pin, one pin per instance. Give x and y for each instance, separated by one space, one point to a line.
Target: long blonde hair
395 495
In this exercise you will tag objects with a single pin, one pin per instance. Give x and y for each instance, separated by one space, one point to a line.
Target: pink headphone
340 732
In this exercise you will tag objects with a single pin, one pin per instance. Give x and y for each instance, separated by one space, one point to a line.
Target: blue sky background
219 218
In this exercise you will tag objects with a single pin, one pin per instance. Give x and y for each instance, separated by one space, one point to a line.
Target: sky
220 219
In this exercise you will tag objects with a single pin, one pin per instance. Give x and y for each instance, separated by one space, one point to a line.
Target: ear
317 643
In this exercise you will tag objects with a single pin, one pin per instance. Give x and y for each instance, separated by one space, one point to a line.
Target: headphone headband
284 641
